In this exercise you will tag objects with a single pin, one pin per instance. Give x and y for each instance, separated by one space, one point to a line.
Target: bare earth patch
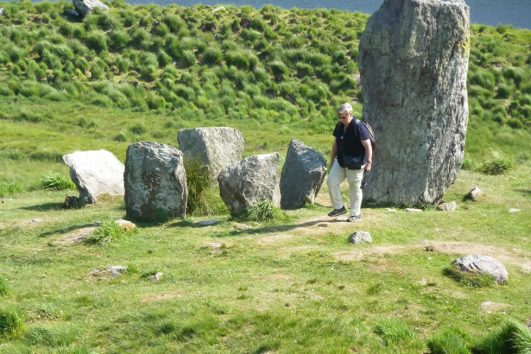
75 237
314 227
514 257
493 307
161 297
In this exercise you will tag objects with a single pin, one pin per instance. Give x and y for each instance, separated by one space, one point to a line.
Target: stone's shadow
278 228
65 230
44 207
195 225
523 191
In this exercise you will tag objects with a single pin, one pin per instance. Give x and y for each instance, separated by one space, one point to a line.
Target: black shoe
337 212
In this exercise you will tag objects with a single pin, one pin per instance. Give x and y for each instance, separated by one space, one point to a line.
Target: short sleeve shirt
348 141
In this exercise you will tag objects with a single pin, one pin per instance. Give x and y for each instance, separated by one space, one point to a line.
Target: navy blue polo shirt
348 141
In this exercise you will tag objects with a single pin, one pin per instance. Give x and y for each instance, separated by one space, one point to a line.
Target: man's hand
368 166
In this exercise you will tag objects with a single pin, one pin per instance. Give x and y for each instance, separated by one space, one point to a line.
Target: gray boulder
95 172
483 265
413 66
360 237
474 194
83 7
302 175
155 182
213 147
244 184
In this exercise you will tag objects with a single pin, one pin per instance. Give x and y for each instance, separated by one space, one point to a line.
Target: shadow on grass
278 228
192 224
523 191
44 207
65 230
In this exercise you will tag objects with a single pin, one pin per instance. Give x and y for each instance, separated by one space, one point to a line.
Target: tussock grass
4 287
56 182
203 196
512 338
471 279
107 233
449 341
11 323
496 167
393 331
263 211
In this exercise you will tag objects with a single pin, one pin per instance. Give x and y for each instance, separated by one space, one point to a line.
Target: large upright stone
83 7
303 174
213 147
95 172
413 66
155 182
246 183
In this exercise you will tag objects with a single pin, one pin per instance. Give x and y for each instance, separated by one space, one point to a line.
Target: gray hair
345 108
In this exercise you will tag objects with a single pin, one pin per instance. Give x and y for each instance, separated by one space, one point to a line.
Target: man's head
344 113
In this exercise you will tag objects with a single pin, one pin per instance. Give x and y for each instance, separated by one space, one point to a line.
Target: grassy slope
275 287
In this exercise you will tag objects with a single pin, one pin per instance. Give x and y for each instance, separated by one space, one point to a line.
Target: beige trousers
354 177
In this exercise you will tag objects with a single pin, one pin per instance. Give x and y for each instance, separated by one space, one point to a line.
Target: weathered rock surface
474 194
125 225
155 182
448 206
413 66
214 147
113 271
83 7
302 175
95 172
359 237
483 265
244 184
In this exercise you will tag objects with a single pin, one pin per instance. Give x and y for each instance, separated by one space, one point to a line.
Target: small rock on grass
483 265
413 210
125 225
113 271
514 211
447 206
156 277
360 237
474 194
75 237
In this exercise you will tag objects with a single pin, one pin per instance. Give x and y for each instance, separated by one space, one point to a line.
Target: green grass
11 323
280 285
512 337
449 341
109 231
56 182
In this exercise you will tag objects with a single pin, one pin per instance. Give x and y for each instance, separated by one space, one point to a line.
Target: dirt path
323 225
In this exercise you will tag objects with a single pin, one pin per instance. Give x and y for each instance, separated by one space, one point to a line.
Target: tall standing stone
250 181
155 182
413 66
302 175
95 172
215 147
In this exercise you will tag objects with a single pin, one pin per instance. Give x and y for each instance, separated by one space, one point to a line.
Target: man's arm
333 154
368 154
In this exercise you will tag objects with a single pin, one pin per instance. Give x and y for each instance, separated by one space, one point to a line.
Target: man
352 140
